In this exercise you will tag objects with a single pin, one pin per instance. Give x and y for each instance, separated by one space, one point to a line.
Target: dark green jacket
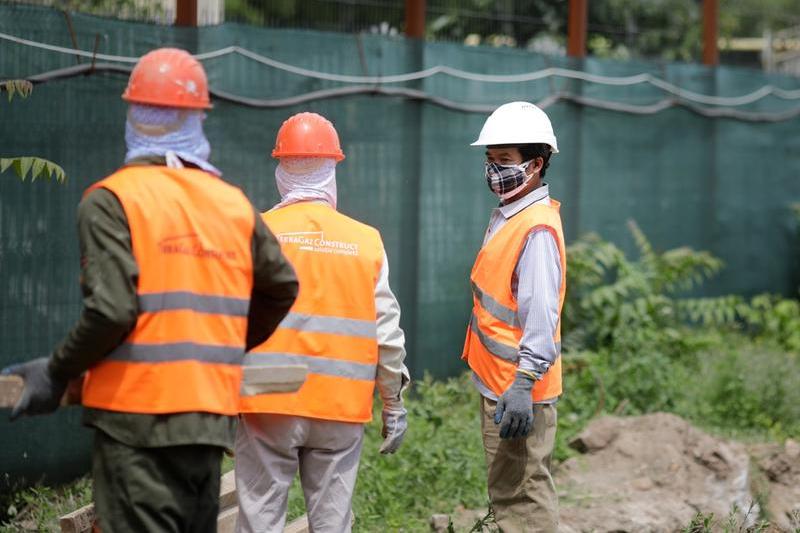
108 280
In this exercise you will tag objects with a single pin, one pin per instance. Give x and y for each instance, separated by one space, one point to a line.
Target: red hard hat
168 77
307 135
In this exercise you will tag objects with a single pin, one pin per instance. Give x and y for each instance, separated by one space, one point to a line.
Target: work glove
394 428
42 393
514 410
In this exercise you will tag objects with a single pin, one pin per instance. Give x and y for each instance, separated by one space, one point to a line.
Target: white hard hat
517 123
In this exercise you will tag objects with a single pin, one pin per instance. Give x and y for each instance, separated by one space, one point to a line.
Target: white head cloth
306 178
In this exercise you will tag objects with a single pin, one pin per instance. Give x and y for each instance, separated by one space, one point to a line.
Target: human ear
535 166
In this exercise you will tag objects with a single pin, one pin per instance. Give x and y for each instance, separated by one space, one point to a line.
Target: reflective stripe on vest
331 327
330 324
492 344
202 303
193 293
499 311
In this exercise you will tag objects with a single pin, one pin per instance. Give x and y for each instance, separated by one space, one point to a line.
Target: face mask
507 180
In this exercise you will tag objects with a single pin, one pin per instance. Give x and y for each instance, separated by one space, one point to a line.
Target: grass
439 467
737 388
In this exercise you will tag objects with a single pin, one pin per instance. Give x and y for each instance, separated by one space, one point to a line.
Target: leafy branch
35 166
24 88
24 165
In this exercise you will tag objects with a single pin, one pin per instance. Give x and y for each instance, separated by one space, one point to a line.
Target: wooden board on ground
10 390
80 521
273 378
256 380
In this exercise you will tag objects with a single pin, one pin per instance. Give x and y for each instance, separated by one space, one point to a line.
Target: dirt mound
650 473
654 473
780 469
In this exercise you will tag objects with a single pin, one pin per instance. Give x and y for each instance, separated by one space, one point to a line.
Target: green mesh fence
720 184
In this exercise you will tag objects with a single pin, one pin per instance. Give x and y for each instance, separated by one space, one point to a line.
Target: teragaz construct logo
315 241
191 245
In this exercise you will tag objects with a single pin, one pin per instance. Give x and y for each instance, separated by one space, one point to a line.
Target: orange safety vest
331 327
191 235
494 332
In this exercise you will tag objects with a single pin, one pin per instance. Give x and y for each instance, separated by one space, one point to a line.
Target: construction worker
513 340
180 277
344 326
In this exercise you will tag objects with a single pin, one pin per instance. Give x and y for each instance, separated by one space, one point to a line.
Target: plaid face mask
506 180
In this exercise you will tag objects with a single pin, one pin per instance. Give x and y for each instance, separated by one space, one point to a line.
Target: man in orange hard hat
180 277
513 343
344 326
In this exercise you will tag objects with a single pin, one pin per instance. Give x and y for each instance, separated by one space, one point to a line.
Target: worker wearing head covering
513 343
344 326
180 277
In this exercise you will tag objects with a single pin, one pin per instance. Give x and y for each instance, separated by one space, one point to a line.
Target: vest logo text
315 241
190 245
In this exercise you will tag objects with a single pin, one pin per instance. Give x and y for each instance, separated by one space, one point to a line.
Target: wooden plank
298 525
80 521
227 490
226 521
10 390
256 380
273 378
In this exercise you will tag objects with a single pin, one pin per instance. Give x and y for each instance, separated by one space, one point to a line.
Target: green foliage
21 87
38 508
23 165
634 343
746 387
734 523
36 166
625 305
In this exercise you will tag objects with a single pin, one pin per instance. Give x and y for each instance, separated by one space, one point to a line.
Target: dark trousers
173 489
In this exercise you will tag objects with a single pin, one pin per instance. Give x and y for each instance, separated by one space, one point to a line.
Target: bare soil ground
654 473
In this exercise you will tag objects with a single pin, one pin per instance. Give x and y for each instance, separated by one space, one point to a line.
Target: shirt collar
538 195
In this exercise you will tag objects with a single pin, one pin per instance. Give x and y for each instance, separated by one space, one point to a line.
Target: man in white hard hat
513 343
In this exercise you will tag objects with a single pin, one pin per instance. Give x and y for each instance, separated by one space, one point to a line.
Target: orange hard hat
168 77
307 135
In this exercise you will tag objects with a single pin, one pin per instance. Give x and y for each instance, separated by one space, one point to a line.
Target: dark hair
532 151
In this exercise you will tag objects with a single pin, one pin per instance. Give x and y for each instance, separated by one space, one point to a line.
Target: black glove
515 409
42 393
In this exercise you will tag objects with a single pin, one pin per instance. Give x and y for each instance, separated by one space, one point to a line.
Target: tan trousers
521 488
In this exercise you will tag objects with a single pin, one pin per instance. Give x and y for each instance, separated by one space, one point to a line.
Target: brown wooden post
186 14
710 32
577 27
415 18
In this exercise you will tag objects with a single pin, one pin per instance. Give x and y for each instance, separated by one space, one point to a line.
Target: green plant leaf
35 165
22 87
38 166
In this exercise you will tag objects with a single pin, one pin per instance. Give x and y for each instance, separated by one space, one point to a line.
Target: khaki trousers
521 488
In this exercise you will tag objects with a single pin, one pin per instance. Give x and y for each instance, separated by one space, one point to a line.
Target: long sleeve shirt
535 285
392 375
109 275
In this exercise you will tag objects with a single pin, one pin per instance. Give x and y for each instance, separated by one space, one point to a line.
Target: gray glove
514 410
394 428
42 393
